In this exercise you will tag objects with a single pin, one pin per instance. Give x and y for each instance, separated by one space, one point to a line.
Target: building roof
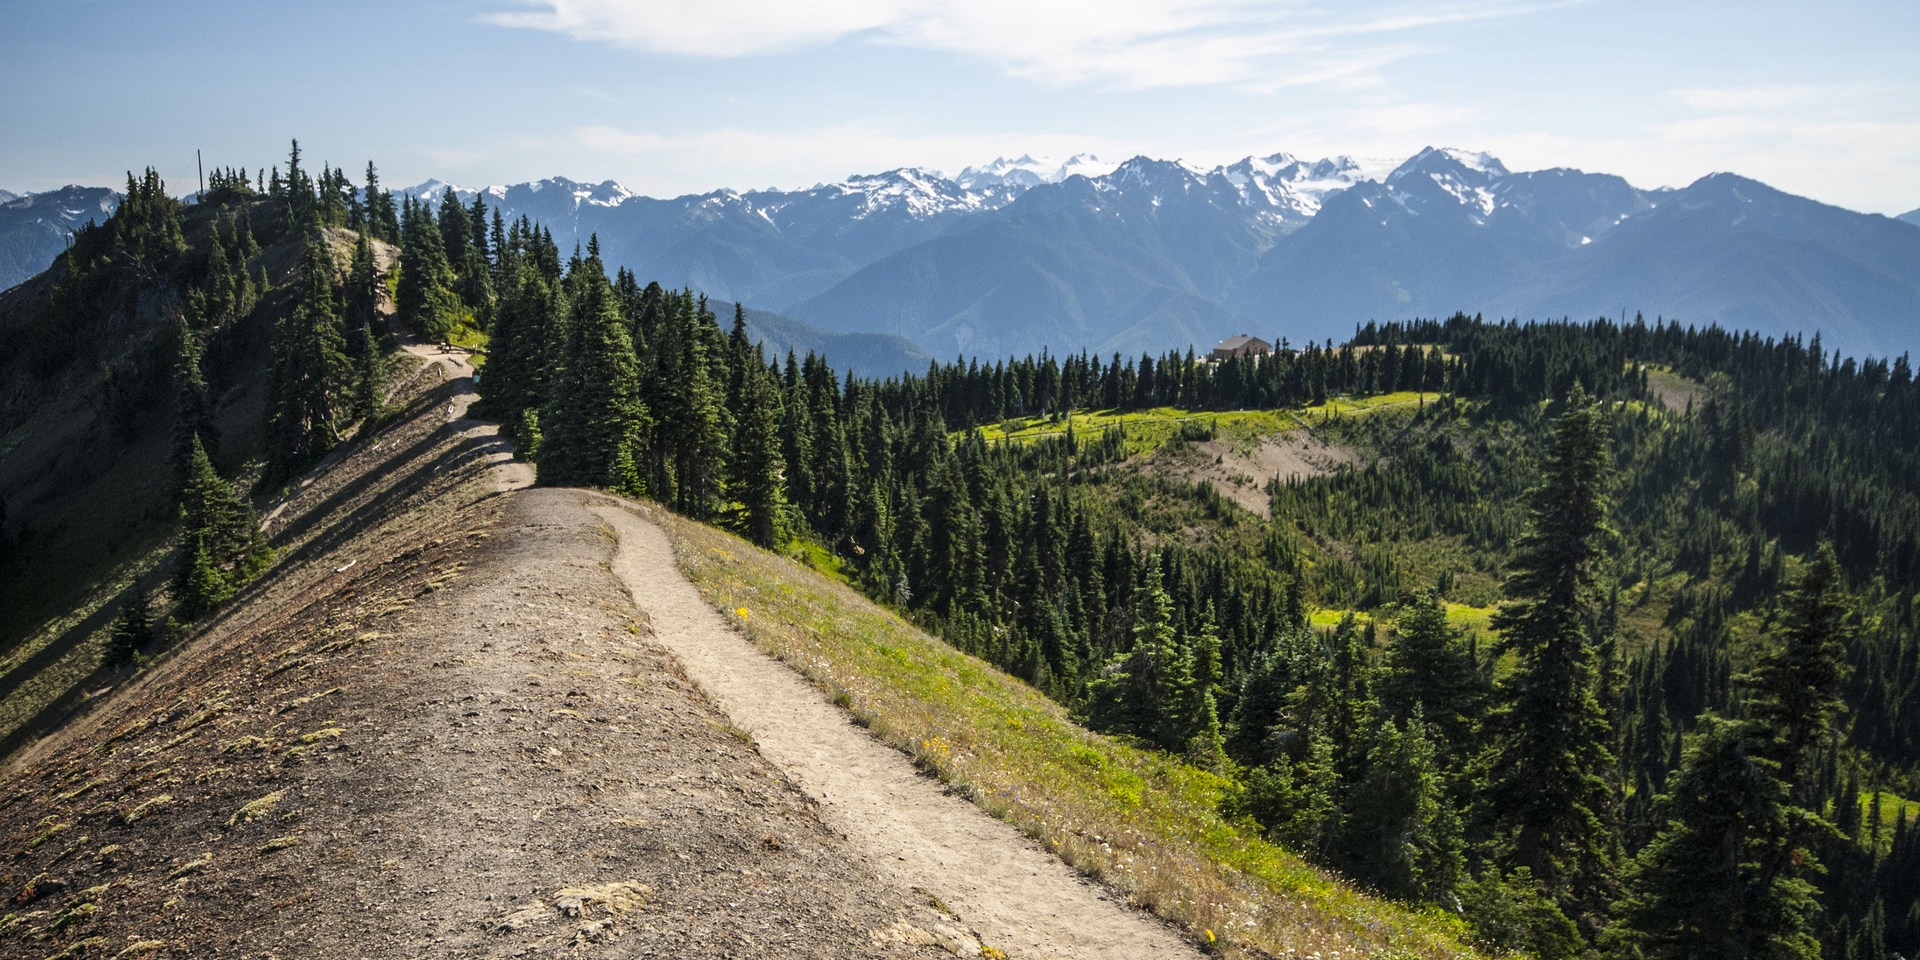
1240 340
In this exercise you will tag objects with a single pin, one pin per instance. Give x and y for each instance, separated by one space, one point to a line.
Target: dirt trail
437 728
507 473
1018 897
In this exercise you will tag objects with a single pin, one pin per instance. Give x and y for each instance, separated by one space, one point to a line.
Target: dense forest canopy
1604 635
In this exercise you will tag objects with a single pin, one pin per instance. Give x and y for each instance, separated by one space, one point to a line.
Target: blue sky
677 96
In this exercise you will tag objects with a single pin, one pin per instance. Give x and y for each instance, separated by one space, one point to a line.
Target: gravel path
1019 898
508 473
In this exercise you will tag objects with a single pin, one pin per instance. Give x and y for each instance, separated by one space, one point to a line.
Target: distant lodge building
1240 345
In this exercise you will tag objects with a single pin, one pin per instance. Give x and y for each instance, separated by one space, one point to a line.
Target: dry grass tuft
134 815
255 809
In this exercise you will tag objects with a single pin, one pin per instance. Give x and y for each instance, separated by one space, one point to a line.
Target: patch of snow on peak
433 190
1479 162
1083 165
606 193
1286 190
920 192
1028 170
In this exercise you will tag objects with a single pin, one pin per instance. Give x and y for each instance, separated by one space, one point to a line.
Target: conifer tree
456 229
759 468
1157 671
363 286
192 406
425 297
523 345
132 629
382 219
594 416
1795 690
1430 671
1401 833
690 451
1550 791
369 380
1704 888
301 211
221 547
310 379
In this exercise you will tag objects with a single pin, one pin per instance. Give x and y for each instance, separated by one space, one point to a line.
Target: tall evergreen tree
310 379
369 379
523 348
759 468
1157 672
192 404
1704 888
383 221
1430 671
1402 834
221 547
363 286
594 417
425 298
1550 789
1795 690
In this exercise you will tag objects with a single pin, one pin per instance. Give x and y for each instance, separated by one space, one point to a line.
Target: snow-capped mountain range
1281 189
1076 253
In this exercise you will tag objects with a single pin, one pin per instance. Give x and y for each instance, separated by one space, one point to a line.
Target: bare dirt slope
440 728
1020 898
1241 472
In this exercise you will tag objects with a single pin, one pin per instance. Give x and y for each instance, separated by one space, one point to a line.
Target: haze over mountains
1026 253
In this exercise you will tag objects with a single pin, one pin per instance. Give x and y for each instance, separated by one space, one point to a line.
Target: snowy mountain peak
434 189
919 192
1445 161
1030 171
606 193
6 195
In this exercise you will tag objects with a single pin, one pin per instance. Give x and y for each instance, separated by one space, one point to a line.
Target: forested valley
1604 637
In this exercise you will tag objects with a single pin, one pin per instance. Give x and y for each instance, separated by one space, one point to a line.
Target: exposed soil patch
1241 473
1675 392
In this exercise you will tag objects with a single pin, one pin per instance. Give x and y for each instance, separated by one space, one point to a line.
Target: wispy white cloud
706 28
1838 143
1128 44
1767 97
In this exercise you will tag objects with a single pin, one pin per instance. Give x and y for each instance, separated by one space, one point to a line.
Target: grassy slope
1149 430
1144 823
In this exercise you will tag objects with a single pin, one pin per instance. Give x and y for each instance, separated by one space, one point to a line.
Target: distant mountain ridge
35 227
1023 254
1911 216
